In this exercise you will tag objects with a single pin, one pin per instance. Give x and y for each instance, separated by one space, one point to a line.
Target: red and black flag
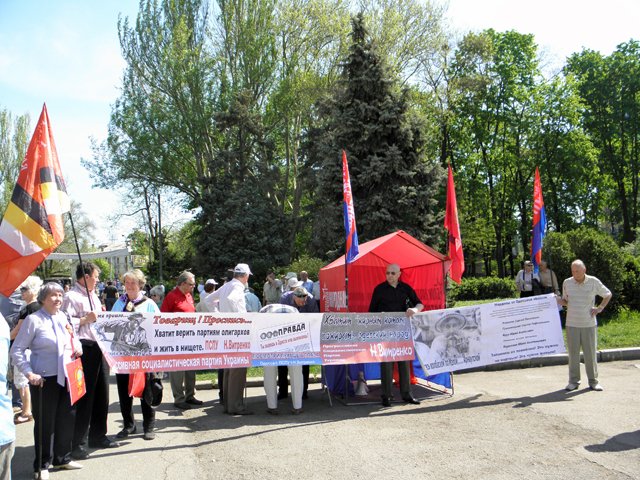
32 226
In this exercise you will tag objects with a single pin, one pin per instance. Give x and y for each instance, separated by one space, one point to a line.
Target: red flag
32 226
455 240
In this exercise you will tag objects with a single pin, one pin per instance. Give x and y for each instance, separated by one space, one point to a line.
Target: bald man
579 294
393 295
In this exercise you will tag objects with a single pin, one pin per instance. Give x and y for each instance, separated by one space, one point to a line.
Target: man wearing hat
304 302
395 296
231 299
525 280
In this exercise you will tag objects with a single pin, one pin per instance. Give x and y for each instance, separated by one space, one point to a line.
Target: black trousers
126 405
283 380
93 407
58 416
386 378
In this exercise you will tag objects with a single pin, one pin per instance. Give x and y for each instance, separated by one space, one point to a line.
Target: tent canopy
422 267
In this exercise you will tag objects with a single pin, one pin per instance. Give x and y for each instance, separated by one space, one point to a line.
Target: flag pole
75 239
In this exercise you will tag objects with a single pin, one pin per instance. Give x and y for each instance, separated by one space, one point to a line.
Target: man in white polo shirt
578 294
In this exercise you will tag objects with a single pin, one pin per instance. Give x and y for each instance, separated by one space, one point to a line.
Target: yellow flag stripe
30 229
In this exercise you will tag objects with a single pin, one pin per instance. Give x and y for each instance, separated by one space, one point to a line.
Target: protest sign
365 338
474 336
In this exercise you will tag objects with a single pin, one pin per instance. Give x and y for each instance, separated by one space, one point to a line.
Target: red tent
422 267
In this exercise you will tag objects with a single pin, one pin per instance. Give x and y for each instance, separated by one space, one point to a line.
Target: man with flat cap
395 296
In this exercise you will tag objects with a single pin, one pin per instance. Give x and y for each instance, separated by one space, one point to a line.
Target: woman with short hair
134 300
48 333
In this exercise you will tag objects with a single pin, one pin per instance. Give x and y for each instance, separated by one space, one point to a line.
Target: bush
484 288
604 259
631 284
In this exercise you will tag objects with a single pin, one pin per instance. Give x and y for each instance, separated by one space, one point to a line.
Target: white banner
474 336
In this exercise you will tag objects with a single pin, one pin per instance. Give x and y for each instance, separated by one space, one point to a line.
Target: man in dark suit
395 296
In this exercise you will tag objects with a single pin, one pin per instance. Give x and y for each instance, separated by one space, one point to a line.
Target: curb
612 355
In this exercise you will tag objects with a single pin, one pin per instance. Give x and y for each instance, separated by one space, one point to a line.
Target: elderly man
82 303
306 281
272 289
231 298
579 294
525 280
548 279
180 299
395 296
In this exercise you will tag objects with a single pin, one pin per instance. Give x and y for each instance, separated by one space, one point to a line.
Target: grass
620 330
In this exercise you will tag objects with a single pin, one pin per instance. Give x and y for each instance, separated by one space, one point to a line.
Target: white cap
293 283
291 275
211 280
242 268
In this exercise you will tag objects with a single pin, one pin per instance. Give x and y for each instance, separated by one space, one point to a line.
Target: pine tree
394 185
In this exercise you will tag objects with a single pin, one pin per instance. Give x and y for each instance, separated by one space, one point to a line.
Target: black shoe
103 443
182 406
126 431
79 453
411 400
282 395
386 401
194 401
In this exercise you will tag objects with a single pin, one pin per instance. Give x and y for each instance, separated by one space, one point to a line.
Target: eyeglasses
393 273
301 296
190 284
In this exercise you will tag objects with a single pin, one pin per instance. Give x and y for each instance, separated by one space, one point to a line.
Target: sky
66 53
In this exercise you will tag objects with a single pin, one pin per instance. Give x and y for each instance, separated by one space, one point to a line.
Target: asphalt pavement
518 423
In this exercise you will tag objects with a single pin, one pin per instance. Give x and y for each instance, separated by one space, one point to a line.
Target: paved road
513 424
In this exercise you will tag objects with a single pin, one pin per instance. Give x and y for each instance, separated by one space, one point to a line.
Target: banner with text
474 336
365 338
135 341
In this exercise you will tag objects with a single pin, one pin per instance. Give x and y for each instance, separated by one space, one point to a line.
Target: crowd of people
53 329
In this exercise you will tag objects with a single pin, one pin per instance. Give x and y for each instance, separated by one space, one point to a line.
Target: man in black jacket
395 296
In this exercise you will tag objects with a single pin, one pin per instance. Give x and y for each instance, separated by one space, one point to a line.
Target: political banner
144 342
479 335
365 338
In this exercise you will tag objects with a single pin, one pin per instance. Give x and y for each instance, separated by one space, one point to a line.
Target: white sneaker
571 386
44 475
70 466
597 387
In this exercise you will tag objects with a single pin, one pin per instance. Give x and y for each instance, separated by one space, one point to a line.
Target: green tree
14 140
392 180
610 87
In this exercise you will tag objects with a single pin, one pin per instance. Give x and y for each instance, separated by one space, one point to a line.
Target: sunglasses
393 273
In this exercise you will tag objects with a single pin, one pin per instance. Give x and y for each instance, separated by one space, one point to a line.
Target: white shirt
580 298
230 297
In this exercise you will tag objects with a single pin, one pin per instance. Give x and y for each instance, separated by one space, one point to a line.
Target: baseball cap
242 268
293 283
211 280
